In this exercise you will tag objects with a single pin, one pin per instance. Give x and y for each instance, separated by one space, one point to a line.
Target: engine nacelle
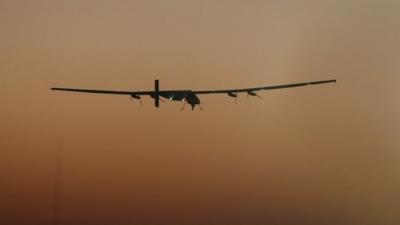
252 93
136 96
232 94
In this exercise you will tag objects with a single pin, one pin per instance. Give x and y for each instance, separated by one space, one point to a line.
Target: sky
324 154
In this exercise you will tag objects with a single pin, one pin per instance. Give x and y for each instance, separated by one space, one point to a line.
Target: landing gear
184 105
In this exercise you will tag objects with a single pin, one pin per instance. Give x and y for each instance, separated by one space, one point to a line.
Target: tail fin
157 93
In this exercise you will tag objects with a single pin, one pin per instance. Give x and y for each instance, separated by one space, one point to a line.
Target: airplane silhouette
188 96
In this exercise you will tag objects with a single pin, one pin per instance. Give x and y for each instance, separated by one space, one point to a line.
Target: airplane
188 96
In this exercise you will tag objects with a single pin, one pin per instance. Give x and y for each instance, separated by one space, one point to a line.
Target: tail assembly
157 93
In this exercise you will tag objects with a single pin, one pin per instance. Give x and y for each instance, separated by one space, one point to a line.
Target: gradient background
325 154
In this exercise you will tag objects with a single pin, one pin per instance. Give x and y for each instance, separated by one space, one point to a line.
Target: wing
251 91
133 93
169 94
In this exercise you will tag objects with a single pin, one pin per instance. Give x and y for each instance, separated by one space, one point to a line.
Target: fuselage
184 96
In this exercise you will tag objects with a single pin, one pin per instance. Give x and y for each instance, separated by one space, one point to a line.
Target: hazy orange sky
324 154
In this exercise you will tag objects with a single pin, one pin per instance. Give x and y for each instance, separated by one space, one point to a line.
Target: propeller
233 95
184 105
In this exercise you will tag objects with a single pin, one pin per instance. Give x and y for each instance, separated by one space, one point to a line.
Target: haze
315 155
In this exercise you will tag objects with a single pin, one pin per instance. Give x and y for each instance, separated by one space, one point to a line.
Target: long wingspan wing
252 90
169 92
105 91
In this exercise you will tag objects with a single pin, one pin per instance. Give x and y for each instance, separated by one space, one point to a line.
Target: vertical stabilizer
157 93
